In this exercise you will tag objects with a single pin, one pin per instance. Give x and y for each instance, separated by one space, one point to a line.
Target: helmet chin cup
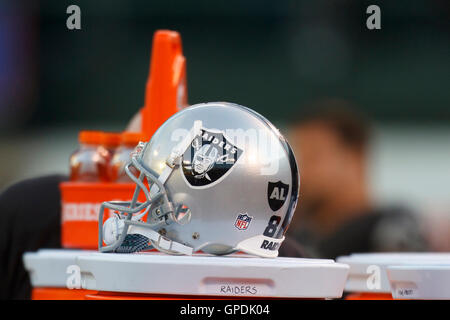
112 228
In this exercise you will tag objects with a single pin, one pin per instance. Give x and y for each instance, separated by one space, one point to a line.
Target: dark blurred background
273 56
258 53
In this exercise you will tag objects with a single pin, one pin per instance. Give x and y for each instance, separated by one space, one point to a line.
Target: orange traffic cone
166 91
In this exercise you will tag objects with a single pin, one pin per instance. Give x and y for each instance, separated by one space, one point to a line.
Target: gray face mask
207 186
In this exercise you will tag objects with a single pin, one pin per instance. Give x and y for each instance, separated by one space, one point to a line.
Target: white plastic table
202 275
368 271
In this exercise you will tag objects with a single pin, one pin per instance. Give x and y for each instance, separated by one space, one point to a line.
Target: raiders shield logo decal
276 194
209 157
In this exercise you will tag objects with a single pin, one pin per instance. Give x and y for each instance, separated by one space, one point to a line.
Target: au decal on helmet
209 157
276 194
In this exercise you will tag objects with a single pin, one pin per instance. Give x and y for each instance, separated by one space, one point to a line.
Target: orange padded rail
60 294
369 296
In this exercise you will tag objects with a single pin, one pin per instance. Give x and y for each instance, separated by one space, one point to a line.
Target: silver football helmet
217 177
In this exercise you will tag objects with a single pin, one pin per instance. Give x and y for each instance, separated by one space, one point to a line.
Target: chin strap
160 241
114 226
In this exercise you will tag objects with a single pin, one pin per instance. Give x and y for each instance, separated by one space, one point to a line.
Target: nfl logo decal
243 221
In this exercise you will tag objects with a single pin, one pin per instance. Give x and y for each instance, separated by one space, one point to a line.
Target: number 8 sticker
272 226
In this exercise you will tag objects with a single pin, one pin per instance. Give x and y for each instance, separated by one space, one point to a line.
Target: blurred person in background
437 228
335 215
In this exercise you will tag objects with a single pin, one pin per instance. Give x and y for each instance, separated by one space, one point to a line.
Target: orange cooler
80 208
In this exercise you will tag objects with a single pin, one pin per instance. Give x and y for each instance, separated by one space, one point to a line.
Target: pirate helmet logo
209 157
204 159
